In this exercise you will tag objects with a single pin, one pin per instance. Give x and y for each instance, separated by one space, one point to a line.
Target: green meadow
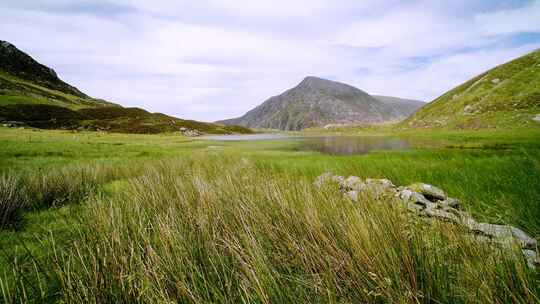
90 217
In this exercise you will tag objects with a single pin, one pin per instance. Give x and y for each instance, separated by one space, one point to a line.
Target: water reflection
335 145
348 145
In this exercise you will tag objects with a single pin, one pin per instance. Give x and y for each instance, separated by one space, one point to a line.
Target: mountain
504 97
404 107
317 102
32 94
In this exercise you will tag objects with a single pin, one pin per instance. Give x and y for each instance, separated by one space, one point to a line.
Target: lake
334 145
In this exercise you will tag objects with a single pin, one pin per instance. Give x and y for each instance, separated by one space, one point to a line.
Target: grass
161 218
505 96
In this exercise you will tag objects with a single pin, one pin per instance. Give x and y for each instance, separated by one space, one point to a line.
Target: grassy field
97 217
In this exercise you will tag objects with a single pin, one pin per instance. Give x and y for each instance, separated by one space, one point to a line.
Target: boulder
450 203
379 187
433 204
430 192
409 196
353 195
532 258
441 214
352 183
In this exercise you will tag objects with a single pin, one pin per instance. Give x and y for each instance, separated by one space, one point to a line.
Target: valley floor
97 217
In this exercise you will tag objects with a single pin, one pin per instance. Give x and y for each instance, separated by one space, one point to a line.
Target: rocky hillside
32 94
317 102
505 96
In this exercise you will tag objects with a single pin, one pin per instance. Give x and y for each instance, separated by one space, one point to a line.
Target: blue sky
216 59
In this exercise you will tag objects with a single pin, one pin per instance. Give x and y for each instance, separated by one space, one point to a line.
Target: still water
334 145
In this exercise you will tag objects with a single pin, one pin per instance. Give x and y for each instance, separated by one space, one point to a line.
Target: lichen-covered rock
532 258
430 192
433 204
379 187
352 183
450 203
441 214
352 195
409 196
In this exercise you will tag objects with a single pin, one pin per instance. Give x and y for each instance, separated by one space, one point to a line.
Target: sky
215 59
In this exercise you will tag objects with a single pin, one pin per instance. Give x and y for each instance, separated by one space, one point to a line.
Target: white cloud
219 58
524 19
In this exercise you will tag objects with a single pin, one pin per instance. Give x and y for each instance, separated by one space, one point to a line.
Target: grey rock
532 258
441 214
414 207
353 195
379 187
450 203
503 232
526 241
353 183
536 118
328 177
430 192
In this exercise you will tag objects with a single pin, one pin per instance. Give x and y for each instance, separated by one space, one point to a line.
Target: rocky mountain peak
328 87
317 102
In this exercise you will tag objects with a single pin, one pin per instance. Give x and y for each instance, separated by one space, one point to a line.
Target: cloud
216 59
524 19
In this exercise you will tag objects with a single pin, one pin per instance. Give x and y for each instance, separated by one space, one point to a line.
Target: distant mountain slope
317 102
404 107
33 94
505 96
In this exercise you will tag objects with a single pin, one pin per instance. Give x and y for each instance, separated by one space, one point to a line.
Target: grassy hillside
105 218
33 94
506 96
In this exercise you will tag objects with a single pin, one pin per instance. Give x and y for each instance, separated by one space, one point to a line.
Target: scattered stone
532 258
379 187
353 195
495 81
450 203
352 183
469 109
433 204
14 124
430 192
190 133
441 214
536 118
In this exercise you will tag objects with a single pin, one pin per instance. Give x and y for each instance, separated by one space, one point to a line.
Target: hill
317 102
32 94
504 97
404 107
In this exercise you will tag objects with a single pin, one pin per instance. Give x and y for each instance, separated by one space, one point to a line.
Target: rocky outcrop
428 201
19 64
190 133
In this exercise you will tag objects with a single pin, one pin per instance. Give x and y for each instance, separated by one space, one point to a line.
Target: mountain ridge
316 102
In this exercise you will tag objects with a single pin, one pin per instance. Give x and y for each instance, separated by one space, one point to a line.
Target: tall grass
13 199
228 231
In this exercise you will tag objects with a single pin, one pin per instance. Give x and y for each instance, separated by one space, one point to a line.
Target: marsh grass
13 199
227 231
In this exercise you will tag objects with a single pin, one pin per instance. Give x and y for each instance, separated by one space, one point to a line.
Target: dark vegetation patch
113 119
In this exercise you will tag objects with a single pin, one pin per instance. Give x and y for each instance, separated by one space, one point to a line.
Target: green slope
507 96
